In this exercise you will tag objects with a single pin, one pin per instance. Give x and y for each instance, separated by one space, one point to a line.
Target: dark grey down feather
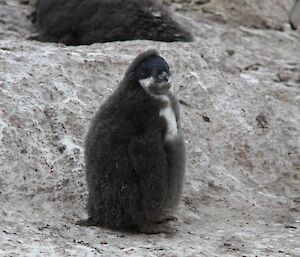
134 177
84 22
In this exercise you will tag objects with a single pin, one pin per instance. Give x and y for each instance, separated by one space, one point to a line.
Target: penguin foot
170 218
87 222
150 228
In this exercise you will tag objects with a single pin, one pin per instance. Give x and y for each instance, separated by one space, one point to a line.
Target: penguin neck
165 98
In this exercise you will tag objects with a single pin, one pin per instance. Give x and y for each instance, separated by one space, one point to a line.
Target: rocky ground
264 14
239 84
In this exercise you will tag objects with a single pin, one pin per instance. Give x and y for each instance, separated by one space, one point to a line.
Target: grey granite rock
240 94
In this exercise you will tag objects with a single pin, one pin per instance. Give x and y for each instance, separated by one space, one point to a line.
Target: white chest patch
146 83
168 114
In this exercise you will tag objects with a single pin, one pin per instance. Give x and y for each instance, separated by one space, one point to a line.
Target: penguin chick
134 151
294 15
77 22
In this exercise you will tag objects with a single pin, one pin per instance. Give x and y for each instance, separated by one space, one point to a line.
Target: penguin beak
163 77
163 84
159 84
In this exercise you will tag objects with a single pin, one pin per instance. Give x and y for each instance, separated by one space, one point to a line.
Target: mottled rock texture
240 94
264 14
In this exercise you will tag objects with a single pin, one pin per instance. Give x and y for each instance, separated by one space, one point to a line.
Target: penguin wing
149 162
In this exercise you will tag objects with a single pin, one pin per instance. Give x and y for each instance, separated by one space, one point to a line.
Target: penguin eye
142 74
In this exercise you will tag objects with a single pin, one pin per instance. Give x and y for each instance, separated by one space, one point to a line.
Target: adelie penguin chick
84 22
294 15
134 151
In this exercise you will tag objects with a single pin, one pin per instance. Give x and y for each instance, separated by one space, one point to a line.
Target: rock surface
250 13
240 94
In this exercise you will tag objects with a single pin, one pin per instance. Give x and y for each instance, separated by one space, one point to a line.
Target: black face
154 75
155 67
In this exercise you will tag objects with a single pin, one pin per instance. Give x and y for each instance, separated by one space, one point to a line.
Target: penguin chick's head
154 75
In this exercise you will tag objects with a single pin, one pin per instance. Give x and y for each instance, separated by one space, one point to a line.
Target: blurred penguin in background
78 22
